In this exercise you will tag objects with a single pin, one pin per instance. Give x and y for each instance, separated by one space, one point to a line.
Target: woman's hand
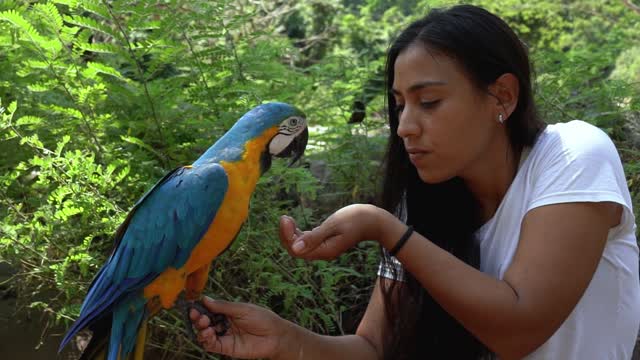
337 234
255 332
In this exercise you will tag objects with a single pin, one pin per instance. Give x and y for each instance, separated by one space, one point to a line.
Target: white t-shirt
574 162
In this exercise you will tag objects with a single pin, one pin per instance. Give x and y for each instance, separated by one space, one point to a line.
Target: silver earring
500 119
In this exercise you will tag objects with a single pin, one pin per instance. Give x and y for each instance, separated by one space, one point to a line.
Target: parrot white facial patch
289 129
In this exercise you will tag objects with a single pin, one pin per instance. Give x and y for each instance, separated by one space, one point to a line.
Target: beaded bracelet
403 239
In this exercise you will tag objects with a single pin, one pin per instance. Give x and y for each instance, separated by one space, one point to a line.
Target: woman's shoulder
575 139
575 129
575 162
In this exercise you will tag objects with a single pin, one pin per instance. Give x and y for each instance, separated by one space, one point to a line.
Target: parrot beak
296 147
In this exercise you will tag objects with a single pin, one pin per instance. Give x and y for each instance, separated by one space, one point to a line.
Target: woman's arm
300 343
256 332
557 255
558 252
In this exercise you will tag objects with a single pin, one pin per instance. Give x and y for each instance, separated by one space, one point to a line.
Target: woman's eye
399 108
429 104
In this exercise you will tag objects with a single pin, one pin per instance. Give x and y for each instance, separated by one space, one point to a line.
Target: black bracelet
403 239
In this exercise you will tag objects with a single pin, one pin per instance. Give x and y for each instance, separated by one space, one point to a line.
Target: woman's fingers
231 309
312 240
224 345
328 249
286 231
207 337
319 243
210 341
198 320
194 314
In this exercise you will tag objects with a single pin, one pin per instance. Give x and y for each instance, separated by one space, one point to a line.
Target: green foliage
104 97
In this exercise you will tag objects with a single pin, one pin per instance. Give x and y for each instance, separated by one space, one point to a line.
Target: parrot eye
291 125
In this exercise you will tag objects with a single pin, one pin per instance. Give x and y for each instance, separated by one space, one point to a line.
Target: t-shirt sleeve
580 166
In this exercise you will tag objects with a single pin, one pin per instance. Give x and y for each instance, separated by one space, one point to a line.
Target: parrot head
286 125
291 139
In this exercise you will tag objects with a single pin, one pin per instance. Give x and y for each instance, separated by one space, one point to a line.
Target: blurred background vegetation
100 98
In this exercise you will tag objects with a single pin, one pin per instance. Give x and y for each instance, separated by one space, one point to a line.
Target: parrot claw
218 322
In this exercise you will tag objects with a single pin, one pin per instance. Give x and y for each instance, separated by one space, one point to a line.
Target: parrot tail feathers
103 304
91 315
128 317
97 347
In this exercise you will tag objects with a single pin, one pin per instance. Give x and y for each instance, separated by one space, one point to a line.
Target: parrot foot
218 322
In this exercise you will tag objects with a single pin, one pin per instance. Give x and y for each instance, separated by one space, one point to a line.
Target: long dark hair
446 213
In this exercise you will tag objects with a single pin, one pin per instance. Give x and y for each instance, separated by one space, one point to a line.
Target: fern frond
41 87
138 142
20 22
82 42
167 55
70 112
96 7
52 47
90 23
13 106
35 64
104 48
70 3
94 68
50 14
29 120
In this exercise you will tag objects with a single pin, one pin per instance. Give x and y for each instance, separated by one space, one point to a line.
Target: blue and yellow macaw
165 247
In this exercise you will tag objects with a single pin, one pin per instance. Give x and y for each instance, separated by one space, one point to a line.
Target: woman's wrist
290 342
378 219
390 229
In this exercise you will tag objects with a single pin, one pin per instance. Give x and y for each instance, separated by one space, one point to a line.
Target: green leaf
35 64
122 174
103 48
71 112
90 23
32 140
50 13
138 142
39 87
61 144
20 22
96 7
29 120
12 107
70 3
94 68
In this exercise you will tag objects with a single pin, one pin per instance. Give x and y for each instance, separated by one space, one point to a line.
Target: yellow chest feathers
243 176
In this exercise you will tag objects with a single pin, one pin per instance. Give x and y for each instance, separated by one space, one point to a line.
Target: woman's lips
416 155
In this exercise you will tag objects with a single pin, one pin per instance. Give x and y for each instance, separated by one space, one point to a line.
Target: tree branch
143 79
632 6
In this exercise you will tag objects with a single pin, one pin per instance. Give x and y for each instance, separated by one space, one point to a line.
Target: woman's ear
506 90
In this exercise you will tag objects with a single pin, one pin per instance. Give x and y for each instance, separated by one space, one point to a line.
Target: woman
524 241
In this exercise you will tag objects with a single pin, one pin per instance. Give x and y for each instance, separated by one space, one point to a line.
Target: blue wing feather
160 232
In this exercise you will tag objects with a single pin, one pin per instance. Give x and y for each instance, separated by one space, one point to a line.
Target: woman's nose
407 124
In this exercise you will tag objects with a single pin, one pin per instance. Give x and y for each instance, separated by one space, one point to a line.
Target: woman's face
446 124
